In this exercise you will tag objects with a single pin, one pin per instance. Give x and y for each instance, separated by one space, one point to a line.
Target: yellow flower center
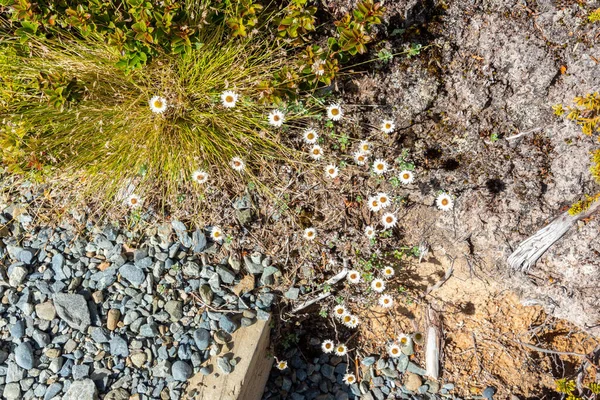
353 276
310 136
406 176
365 147
134 200
200 177
380 167
340 349
378 285
387 126
276 118
316 152
394 351
444 202
217 234
335 111
331 171
361 158
389 220
383 199
386 301
237 163
403 340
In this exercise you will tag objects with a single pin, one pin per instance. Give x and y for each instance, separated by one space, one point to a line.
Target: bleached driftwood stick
530 250
331 281
433 346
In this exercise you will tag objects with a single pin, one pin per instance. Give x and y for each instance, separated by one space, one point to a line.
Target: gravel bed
82 315
381 378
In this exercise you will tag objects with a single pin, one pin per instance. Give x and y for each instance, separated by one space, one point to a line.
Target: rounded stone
181 371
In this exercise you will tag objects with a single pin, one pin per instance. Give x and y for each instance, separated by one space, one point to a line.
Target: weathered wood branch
433 346
331 281
530 250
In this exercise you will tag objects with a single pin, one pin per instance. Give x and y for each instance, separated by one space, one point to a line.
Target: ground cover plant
149 102
361 158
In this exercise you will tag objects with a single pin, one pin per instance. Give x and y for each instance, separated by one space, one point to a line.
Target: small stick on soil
439 284
542 350
539 128
476 353
195 296
331 281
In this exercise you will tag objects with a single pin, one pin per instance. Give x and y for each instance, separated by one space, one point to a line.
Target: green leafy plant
354 29
385 56
297 21
413 50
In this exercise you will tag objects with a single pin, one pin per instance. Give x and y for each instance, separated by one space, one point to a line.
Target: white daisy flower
360 158
310 233
386 301
378 285
349 379
406 177
200 176
388 220
374 204
237 164
327 346
310 136
316 152
394 350
229 98
134 201
334 112
380 167
331 171
158 104
364 147
354 321
339 311
388 126
370 232
384 200
444 202
353 276
341 350
388 272
216 234
281 365
347 319
404 340
276 118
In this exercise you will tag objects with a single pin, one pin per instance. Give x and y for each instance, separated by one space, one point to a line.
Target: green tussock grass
99 133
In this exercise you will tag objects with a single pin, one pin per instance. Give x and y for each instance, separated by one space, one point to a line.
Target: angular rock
227 324
133 274
175 309
17 276
73 309
24 356
81 390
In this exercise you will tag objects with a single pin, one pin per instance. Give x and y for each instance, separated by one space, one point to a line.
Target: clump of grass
69 111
